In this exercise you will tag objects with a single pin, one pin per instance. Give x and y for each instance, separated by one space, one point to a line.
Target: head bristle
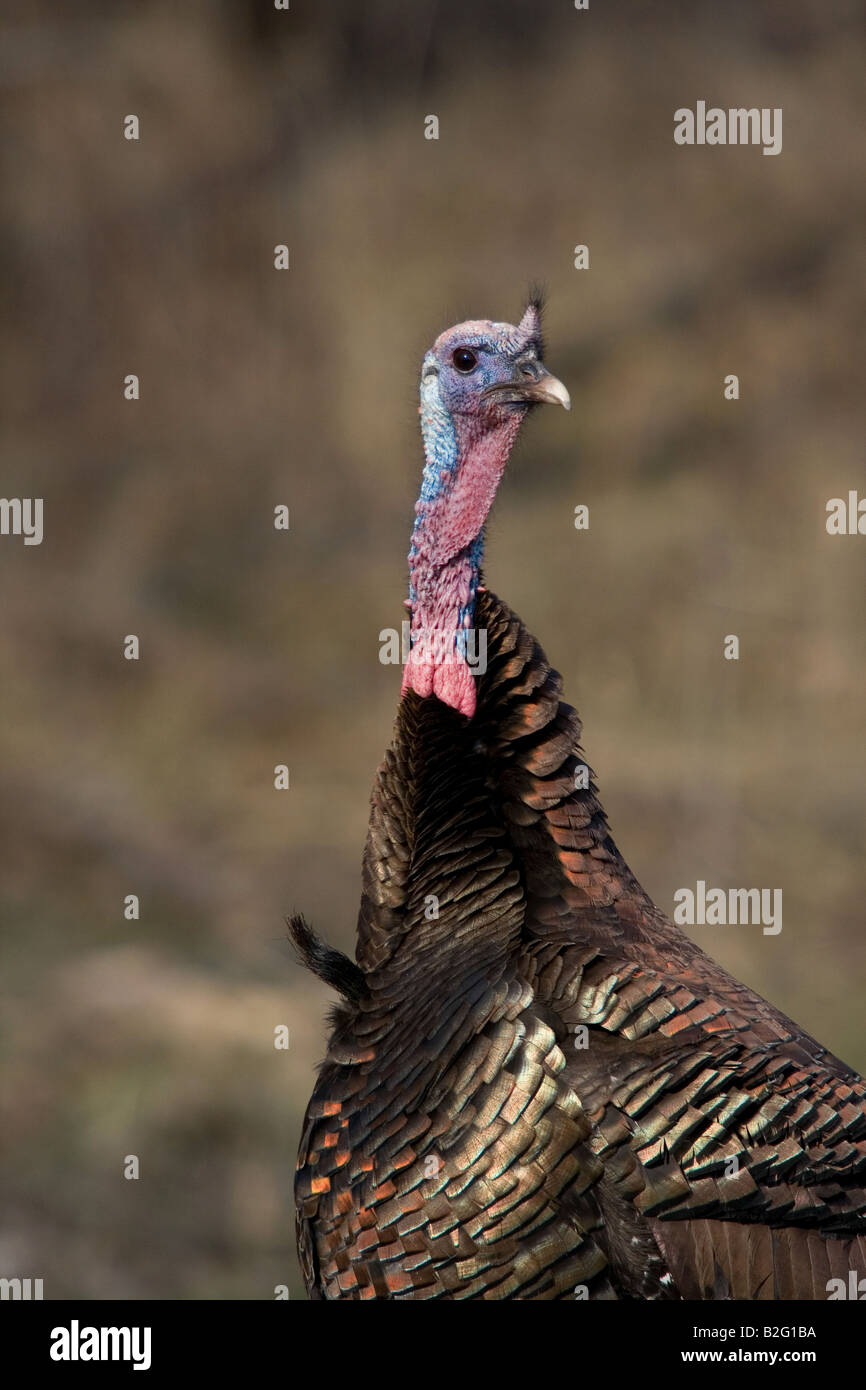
537 297
535 305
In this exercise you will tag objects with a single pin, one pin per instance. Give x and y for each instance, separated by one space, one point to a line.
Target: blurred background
259 387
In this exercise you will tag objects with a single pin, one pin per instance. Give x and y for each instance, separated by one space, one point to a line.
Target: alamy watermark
713 907
738 125
436 646
22 516
846 517
77 1343
20 1290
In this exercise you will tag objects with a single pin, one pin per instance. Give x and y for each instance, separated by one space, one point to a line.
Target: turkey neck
464 461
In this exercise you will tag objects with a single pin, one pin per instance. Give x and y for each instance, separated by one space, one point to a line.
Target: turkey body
538 1087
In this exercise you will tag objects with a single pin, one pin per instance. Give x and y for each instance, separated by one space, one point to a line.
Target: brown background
707 518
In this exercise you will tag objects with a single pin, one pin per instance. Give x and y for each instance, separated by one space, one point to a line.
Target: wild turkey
538 1087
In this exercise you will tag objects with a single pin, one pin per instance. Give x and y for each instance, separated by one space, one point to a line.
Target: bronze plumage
538 1087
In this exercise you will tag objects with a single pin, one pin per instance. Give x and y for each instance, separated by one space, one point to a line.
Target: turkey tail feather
332 966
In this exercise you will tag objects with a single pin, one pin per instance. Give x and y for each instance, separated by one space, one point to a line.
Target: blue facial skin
495 350
466 615
440 449
437 429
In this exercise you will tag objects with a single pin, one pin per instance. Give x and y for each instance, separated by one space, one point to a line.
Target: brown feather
543 1089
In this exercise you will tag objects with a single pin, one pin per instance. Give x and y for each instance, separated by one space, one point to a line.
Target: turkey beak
548 388
533 383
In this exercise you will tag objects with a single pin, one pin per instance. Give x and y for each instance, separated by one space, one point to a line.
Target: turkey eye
464 360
